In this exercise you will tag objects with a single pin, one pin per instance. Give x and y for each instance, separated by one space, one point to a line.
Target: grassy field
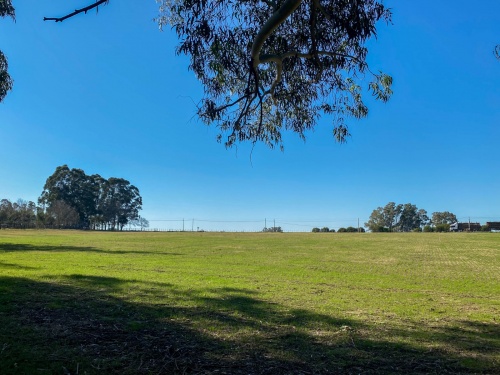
159 303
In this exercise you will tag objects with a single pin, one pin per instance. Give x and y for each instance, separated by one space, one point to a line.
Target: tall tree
73 187
384 218
97 201
444 217
20 214
411 218
62 215
397 217
121 203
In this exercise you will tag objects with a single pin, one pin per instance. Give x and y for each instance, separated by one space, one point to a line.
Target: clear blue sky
107 94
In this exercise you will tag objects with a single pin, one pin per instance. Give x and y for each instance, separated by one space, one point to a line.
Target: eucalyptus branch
278 17
77 11
318 6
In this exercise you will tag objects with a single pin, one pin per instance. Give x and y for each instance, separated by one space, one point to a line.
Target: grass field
159 303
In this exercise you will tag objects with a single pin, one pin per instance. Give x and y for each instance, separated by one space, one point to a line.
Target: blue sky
107 94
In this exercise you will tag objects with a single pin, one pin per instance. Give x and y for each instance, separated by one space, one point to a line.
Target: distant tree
73 187
122 202
6 212
384 217
62 215
325 229
315 230
26 213
341 230
411 218
273 229
397 217
139 222
332 230
108 204
20 214
444 217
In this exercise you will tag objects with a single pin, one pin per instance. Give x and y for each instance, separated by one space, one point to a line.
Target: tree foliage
140 222
273 229
20 214
99 203
397 218
269 66
6 10
411 218
384 217
444 217
61 215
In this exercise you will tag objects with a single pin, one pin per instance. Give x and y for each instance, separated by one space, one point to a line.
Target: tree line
408 217
73 199
340 230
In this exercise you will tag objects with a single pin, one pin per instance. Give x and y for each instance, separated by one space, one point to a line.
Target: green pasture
76 302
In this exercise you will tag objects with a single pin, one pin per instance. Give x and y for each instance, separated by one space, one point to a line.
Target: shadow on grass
16 247
15 266
77 328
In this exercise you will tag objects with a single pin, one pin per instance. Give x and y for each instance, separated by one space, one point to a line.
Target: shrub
442 228
428 228
325 229
315 230
273 229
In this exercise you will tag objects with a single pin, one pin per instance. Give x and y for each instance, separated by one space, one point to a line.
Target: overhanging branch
272 24
77 11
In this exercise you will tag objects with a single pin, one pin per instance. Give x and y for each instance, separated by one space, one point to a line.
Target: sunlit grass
250 303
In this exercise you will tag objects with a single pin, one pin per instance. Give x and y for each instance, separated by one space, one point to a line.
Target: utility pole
183 225
265 223
192 226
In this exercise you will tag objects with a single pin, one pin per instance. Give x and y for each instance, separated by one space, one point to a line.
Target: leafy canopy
6 10
268 66
271 65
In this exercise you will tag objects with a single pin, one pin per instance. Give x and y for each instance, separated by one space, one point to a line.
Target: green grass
141 303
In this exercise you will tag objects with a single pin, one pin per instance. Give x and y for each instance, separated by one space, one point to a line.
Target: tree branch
272 24
318 6
77 11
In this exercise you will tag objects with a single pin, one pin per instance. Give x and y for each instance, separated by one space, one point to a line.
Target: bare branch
77 11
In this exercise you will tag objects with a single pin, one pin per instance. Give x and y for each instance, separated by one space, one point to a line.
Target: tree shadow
15 266
80 326
17 247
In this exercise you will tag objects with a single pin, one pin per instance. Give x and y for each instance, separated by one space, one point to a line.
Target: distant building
465 227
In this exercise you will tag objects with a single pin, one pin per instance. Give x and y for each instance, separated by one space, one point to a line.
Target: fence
202 225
